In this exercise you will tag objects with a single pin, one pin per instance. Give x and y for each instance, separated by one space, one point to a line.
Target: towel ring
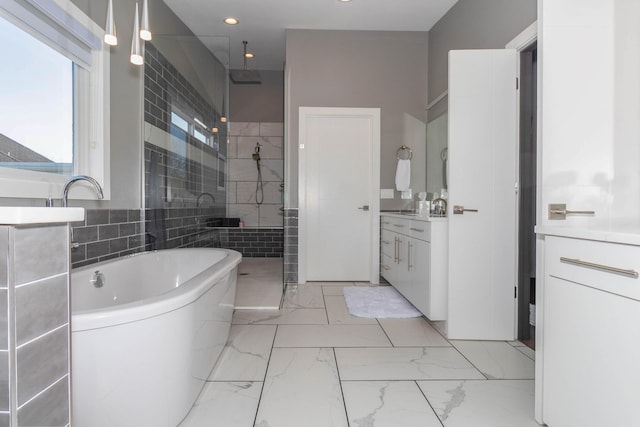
404 148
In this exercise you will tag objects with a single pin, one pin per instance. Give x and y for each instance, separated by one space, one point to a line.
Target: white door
339 187
482 177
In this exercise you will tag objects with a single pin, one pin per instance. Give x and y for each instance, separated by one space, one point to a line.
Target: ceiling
263 22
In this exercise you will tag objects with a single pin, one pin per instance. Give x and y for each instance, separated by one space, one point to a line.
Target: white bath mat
378 301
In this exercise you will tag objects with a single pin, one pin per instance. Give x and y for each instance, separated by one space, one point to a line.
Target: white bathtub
143 345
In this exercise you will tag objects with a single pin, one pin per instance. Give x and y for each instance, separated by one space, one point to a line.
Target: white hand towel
403 174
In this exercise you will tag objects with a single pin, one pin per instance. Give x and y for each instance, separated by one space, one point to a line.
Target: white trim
374 195
525 39
522 42
439 98
92 133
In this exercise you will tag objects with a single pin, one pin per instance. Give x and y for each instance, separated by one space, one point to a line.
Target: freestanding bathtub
143 344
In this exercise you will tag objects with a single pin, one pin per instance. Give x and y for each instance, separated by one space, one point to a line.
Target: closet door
482 178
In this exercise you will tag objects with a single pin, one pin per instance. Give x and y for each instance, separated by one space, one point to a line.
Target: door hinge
517 83
515 292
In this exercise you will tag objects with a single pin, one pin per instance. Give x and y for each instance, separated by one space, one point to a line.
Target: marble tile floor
259 284
312 364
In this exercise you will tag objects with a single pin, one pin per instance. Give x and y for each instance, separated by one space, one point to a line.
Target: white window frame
92 115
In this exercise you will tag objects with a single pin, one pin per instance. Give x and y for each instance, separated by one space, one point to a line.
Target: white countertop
415 217
628 236
22 215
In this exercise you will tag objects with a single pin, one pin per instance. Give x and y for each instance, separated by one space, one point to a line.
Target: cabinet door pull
419 230
386 267
396 257
386 242
580 263
398 225
409 265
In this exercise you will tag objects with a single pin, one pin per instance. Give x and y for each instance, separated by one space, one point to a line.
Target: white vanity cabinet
413 260
591 331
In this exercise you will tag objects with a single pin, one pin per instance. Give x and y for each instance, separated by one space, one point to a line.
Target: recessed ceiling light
231 20
344 1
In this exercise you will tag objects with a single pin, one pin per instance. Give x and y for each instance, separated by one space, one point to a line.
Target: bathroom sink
16 215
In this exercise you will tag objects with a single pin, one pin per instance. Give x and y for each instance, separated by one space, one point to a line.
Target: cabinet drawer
387 243
399 225
420 230
611 267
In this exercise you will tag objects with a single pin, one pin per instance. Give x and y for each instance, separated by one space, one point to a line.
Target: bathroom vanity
589 314
413 251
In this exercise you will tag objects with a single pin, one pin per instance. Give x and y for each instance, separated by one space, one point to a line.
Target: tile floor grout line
264 378
385 333
467 359
428 402
344 401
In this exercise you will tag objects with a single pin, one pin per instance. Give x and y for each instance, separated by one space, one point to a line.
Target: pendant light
141 31
145 32
136 49
110 36
223 117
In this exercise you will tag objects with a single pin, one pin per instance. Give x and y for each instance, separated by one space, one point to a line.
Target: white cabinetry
413 261
591 334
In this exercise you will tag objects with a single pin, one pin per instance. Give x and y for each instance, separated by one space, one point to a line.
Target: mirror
437 133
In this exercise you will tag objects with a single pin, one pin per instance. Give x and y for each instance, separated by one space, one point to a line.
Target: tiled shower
243 186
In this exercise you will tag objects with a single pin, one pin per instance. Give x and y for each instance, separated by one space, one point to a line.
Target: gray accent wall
473 24
258 103
374 69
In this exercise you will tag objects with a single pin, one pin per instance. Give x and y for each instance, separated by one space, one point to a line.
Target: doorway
339 187
527 196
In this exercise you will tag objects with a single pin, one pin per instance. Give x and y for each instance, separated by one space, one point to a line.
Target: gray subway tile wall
291 245
152 229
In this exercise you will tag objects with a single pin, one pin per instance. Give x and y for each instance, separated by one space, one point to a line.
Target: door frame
374 190
522 42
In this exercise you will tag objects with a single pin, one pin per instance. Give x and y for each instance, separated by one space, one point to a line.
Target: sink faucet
202 195
74 179
65 195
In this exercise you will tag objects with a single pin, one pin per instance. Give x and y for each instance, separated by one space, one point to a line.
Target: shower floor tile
259 284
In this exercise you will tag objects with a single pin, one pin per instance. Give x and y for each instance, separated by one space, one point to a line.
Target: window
36 104
54 99
181 127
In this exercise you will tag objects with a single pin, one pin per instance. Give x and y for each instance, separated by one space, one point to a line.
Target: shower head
245 76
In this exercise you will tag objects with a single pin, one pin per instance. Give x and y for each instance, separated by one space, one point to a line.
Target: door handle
560 211
364 207
459 210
